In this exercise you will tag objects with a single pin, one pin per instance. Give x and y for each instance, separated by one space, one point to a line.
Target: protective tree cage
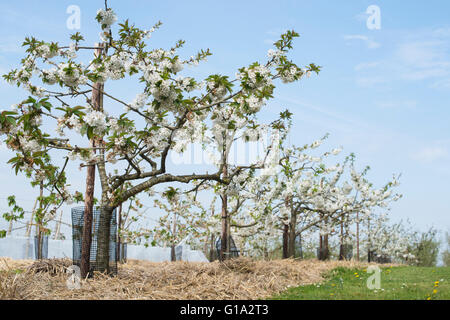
77 238
321 252
348 251
298 247
41 247
383 258
179 253
234 251
122 252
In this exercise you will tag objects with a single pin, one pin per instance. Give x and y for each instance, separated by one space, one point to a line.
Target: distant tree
425 248
446 253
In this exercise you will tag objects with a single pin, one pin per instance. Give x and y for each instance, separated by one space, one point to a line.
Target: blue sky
383 94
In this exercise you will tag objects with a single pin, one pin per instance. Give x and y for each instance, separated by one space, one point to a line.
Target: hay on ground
235 279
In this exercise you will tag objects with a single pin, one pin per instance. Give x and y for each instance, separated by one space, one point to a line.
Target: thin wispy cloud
273 35
415 56
431 154
371 81
11 46
404 104
370 44
367 65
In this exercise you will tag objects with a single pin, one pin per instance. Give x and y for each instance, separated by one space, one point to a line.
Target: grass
396 283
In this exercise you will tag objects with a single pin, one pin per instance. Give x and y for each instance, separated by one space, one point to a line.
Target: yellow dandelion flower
435 291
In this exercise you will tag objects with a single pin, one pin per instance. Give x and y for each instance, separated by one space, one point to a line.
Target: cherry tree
130 148
306 195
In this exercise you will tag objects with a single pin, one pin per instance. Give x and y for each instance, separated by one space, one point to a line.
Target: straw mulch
235 279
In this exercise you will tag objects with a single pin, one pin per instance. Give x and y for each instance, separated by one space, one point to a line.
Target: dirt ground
236 279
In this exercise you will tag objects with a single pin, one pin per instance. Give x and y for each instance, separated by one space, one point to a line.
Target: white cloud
431 154
423 59
367 65
11 45
371 44
274 35
441 84
405 104
362 16
370 81
415 56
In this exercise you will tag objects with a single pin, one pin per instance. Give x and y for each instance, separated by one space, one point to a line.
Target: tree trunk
119 240
205 245
341 243
103 234
228 251
320 247
39 224
324 252
97 101
224 252
87 220
300 246
357 236
326 248
224 234
212 249
285 241
369 251
173 256
292 232
104 239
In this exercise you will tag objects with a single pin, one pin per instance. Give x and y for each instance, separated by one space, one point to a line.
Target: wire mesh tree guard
77 238
234 251
348 251
41 247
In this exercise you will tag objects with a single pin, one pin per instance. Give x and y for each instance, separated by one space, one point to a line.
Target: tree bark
119 239
341 242
326 248
300 245
87 221
324 252
212 249
104 239
173 256
97 103
285 241
357 236
292 233
224 249
39 224
224 233
369 250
